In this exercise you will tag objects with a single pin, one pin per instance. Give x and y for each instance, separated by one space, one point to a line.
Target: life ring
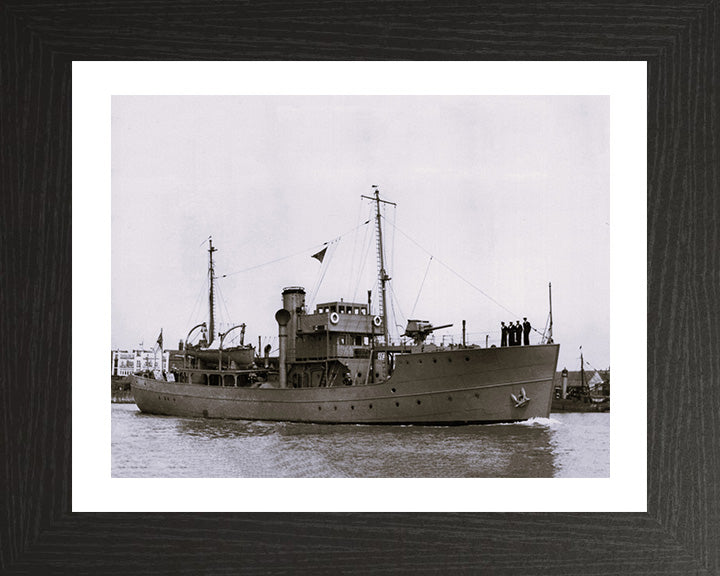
334 318
377 321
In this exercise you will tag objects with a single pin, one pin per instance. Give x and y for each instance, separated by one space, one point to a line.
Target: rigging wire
330 252
412 312
228 319
592 367
196 305
392 246
394 300
456 273
355 243
367 244
312 248
547 326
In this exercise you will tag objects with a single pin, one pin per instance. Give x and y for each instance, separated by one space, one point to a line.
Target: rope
393 302
355 244
457 274
331 247
197 302
312 248
367 243
427 269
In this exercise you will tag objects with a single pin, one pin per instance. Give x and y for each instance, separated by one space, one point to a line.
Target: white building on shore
125 362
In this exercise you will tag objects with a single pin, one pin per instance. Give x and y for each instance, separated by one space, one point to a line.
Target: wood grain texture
681 532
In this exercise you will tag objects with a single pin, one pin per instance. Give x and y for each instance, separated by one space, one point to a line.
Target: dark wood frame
680 533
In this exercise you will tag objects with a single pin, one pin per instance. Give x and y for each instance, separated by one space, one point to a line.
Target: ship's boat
336 364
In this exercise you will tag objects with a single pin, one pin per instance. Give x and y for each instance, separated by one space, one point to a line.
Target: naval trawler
337 365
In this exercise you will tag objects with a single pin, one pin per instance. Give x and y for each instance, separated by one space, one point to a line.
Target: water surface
565 445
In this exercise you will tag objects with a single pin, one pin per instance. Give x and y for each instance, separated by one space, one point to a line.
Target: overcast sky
505 193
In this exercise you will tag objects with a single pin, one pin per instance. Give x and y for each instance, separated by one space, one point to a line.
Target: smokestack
283 317
293 301
564 381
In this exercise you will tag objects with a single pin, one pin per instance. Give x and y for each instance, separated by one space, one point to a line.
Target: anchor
521 399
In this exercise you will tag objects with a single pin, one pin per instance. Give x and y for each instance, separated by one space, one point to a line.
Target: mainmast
382 274
211 294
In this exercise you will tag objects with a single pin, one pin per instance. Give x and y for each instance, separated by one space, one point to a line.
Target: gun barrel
438 327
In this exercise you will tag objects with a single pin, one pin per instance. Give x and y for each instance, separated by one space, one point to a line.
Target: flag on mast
160 339
320 255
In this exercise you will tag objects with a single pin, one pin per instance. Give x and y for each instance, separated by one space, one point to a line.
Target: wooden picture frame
680 533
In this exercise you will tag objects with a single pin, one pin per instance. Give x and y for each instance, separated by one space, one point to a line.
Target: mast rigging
211 294
382 273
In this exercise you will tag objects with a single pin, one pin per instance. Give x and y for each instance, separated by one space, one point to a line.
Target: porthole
419 402
397 404
477 395
352 407
370 406
449 359
434 360
419 361
467 358
319 407
407 361
392 390
449 398
334 407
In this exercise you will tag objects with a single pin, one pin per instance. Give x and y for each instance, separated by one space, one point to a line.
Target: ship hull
459 386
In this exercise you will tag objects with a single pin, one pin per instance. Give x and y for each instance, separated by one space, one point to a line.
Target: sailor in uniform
526 332
504 330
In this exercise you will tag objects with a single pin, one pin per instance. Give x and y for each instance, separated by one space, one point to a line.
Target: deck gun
419 330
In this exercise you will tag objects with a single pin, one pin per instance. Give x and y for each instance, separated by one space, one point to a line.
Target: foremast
382 273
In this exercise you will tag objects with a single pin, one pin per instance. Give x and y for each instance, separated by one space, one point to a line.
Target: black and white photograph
360 286
197 197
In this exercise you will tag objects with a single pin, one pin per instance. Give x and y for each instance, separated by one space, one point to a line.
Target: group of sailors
512 334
